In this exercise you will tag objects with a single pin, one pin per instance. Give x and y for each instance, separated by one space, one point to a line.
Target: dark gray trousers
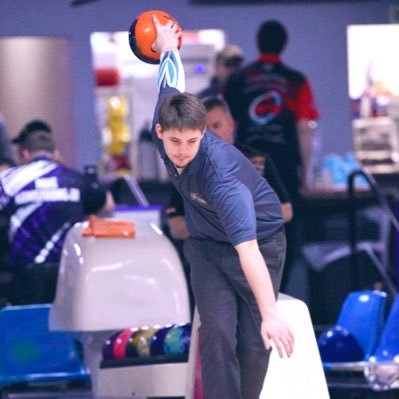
234 359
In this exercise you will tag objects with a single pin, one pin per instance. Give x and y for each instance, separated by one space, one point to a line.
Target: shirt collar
268 57
191 169
42 157
196 164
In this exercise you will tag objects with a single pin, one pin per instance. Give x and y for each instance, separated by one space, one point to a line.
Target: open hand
168 36
275 329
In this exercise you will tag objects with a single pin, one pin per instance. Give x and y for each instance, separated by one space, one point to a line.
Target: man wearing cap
43 199
227 61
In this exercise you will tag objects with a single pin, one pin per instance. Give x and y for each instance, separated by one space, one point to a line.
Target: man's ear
159 131
57 156
24 155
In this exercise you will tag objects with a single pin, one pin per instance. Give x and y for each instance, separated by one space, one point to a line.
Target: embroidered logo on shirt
196 197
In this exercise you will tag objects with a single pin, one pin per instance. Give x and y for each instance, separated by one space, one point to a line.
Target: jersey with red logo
267 99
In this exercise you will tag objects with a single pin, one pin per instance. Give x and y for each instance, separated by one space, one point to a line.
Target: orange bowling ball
142 35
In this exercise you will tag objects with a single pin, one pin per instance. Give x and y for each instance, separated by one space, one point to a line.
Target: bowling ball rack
143 361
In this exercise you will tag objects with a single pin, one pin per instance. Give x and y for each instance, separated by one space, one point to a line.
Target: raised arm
171 72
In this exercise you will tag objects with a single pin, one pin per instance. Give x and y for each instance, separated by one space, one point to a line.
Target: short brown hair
38 140
182 111
212 102
30 127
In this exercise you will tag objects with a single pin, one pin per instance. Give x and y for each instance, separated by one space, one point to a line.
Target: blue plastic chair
382 372
29 352
388 346
362 314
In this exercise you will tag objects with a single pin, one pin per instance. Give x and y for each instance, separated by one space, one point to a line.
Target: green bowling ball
177 340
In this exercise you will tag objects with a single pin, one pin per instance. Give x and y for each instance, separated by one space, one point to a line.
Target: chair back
388 346
362 314
30 352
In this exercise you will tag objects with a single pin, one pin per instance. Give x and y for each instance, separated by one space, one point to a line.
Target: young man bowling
236 247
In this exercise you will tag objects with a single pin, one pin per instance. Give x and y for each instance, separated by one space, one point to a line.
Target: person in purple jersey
236 246
43 199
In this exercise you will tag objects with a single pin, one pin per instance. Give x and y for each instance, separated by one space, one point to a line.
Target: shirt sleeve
235 207
171 71
306 108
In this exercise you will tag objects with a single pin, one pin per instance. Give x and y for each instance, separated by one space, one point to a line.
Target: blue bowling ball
177 340
108 346
337 344
158 341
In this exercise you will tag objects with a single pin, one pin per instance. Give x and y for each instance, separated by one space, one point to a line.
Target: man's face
221 123
223 70
181 147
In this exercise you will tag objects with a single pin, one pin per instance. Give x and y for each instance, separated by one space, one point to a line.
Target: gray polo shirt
225 198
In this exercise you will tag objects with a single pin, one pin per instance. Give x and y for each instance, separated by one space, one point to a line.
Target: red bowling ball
120 343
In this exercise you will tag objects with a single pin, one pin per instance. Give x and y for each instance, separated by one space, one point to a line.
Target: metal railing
353 238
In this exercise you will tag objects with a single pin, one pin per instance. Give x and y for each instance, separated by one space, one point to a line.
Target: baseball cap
230 55
35 125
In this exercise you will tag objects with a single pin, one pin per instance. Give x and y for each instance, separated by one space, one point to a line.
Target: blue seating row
362 332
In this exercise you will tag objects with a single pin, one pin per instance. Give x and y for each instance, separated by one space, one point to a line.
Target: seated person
42 199
220 122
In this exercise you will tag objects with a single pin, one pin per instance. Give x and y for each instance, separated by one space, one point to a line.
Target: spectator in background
227 61
275 112
43 199
274 108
